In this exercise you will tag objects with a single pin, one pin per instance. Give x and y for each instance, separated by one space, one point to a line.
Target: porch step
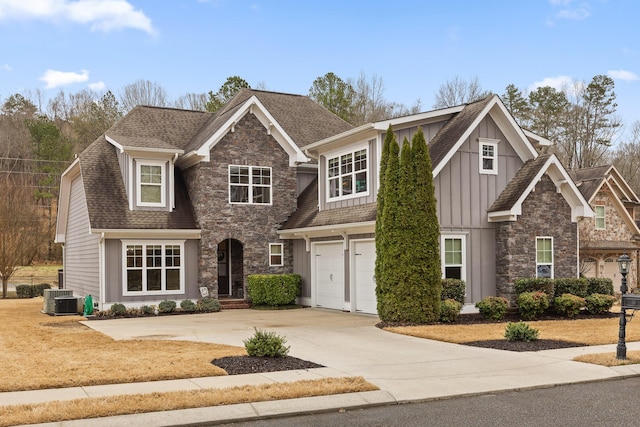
232 304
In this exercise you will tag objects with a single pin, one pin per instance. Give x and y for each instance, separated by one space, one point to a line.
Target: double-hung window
249 184
600 222
544 257
347 174
453 257
488 153
151 183
153 267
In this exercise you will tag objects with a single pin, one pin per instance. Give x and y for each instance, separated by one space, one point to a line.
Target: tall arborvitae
384 159
386 261
426 247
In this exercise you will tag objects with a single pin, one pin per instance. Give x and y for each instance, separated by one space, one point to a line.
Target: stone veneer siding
545 213
253 225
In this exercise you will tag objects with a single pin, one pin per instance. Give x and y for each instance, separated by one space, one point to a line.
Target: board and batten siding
81 248
114 274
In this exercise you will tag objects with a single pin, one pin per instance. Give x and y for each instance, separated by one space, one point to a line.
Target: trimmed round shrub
208 305
599 303
449 310
266 344
520 331
532 304
453 289
493 307
118 309
188 305
167 306
569 305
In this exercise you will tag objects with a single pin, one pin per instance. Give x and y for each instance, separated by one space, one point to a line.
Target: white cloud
623 75
98 86
54 78
101 15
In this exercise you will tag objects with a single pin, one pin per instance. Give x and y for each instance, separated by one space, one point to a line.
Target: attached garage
363 276
328 274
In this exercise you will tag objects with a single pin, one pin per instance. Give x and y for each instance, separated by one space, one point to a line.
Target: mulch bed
238 365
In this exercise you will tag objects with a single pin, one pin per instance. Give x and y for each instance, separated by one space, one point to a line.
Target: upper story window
249 184
600 222
544 257
488 153
151 183
348 174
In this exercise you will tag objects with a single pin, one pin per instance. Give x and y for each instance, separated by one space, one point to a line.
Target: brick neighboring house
168 201
613 230
505 211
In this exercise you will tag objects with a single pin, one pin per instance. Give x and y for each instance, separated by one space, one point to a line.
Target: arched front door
230 269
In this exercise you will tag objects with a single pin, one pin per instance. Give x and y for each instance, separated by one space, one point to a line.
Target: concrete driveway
408 368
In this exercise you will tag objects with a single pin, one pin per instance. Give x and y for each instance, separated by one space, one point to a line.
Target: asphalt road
603 403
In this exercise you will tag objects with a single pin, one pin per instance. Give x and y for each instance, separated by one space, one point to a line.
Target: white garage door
364 264
329 275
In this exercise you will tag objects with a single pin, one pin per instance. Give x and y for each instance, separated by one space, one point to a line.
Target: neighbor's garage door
364 264
329 275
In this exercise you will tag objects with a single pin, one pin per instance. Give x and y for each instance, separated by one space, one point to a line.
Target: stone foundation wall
545 213
253 225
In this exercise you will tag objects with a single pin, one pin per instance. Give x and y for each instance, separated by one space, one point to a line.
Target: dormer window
151 183
488 154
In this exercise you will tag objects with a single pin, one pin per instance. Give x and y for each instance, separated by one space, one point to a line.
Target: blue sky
413 46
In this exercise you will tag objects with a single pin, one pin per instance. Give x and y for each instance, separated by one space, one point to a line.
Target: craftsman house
505 211
613 229
168 202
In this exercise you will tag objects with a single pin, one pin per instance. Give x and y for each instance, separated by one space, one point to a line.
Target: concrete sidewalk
404 368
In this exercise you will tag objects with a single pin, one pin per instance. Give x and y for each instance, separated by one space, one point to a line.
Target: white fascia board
255 107
328 230
64 199
148 234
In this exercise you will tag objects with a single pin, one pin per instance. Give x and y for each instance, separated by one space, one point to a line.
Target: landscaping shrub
453 289
574 286
534 285
599 285
532 304
208 305
569 305
266 344
520 331
188 305
599 303
493 307
449 310
118 309
167 306
273 289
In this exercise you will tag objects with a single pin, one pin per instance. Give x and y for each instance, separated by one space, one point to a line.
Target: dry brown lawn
40 352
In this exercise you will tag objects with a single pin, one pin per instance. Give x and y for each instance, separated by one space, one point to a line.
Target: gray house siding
81 249
113 275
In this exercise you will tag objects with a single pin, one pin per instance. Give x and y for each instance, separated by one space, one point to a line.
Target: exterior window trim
163 184
366 170
600 217
250 184
482 142
144 267
276 254
538 263
444 265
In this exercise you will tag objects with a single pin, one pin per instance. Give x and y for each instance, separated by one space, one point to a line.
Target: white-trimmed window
250 185
151 183
488 154
544 257
348 175
153 267
600 222
452 252
275 254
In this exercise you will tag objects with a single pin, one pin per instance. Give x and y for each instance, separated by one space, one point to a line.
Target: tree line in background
38 138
